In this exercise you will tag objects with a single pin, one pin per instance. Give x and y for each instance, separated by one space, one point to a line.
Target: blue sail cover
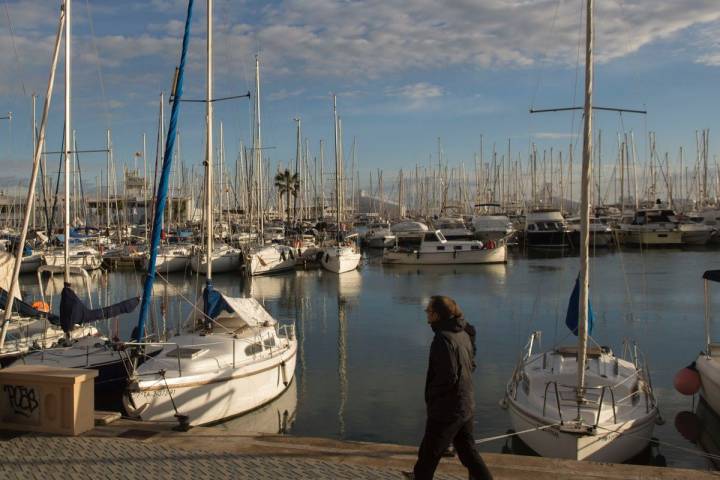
26 310
214 302
74 312
572 316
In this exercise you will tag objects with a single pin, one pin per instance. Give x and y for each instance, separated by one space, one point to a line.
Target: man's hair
444 307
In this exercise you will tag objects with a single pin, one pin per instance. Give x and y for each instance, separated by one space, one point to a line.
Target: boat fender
687 380
490 244
41 306
283 371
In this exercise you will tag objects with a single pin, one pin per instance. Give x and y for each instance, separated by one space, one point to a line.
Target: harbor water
364 339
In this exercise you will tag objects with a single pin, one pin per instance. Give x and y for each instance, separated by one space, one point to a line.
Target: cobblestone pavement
31 457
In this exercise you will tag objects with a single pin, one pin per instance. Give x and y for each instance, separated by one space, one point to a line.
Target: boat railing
557 399
606 388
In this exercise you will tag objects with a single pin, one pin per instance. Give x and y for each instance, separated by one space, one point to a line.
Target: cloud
416 91
554 135
283 94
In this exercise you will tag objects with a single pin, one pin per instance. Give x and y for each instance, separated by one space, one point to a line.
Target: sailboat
708 363
343 255
232 356
582 402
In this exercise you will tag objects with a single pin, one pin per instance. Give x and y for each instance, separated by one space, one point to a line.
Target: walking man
449 392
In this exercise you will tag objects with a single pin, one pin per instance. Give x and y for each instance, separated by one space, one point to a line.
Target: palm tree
287 184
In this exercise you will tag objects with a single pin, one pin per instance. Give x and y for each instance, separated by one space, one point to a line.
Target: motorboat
453 228
547 229
378 235
409 229
650 227
238 361
435 249
270 259
694 232
491 226
601 234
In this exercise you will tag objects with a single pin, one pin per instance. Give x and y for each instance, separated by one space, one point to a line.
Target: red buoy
687 380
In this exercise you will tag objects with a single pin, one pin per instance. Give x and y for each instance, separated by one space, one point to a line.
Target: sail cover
233 311
74 312
26 310
573 311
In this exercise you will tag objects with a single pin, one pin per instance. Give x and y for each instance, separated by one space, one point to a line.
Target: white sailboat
173 258
270 259
232 357
582 402
708 362
344 255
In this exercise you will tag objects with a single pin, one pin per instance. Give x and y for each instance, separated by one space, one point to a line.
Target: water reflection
702 428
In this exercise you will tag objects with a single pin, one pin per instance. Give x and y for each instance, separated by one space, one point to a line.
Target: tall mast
257 146
68 141
585 206
209 146
337 166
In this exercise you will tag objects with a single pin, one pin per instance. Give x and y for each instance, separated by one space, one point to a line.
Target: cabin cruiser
453 228
547 229
601 234
408 230
435 249
237 360
651 227
378 235
491 226
694 230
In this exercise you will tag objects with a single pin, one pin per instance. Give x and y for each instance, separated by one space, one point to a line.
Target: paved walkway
31 457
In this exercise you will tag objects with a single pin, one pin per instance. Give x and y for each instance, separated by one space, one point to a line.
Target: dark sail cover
712 275
74 312
214 302
26 310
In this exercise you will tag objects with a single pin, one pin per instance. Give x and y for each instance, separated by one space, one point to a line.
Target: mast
257 145
209 146
68 142
585 207
337 167
33 179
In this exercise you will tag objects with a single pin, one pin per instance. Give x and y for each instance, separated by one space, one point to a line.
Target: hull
229 262
171 263
270 260
552 240
344 262
667 238
213 397
697 237
709 369
624 442
601 239
379 242
31 263
86 262
495 255
488 235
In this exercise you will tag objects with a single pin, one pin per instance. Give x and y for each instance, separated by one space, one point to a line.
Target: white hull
696 237
214 396
340 259
227 261
663 238
87 262
271 259
603 446
31 263
495 255
709 369
172 263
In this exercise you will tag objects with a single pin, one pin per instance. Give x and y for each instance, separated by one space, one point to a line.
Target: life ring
41 306
490 244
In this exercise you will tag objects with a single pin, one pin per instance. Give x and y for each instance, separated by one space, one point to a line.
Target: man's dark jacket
449 388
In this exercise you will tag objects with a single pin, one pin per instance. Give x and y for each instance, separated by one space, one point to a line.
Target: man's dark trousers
439 434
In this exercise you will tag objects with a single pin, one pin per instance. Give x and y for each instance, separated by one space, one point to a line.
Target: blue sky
405 73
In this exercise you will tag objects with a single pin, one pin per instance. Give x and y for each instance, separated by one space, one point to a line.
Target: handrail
600 404
557 399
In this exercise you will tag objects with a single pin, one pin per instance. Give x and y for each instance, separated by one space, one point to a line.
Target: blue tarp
573 311
214 302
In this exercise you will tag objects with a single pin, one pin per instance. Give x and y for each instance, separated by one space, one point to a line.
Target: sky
405 74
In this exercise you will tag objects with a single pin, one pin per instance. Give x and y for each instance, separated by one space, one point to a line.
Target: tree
287 184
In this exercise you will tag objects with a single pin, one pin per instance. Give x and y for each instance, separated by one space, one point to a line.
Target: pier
134 450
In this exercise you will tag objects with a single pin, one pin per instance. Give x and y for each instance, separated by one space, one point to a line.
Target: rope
14 45
508 435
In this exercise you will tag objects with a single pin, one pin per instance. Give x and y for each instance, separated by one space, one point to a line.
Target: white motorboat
245 361
378 235
546 228
693 233
409 230
435 249
601 234
173 258
491 226
708 362
224 259
273 258
652 227
340 258
83 257
453 228
613 422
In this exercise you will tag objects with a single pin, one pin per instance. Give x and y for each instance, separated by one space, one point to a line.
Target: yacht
269 259
408 230
435 249
378 235
547 229
240 360
453 228
651 227
601 234
491 226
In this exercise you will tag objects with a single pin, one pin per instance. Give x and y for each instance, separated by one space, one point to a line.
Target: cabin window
253 348
475 247
430 237
458 247
269 342
441 247
531 227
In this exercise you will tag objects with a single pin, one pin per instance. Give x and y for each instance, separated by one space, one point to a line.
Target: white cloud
554 135
283 94
416 91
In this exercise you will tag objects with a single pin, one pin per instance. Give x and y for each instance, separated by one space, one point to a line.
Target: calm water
364 339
